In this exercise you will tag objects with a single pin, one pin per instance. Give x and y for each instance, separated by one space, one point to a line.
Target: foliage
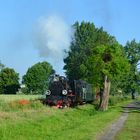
1 66
94 55
107 60
91 45
114 100
23 91
132 50
9 81
82 41
86 37
36 78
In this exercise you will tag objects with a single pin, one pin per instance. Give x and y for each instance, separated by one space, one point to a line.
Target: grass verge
34 121
131 129
81 123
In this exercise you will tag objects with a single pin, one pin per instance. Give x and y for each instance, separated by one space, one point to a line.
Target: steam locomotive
62 92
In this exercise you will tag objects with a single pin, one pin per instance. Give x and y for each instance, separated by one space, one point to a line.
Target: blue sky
18 18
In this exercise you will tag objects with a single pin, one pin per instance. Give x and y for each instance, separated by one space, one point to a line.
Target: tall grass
81 123
114 100
10 97
35 121
19 102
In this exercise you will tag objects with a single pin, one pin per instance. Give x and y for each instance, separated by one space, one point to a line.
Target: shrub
113 100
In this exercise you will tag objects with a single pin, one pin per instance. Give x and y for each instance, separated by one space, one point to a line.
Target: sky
28 27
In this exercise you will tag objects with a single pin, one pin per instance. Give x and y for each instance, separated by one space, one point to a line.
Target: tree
36 78
82 42
138 81
9 81
106 64
132 50
94 56
1 66
86 37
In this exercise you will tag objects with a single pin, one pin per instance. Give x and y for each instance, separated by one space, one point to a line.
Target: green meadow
10 97
34 121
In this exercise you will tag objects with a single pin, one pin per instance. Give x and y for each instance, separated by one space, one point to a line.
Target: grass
131 129
11 97
82 123
37 122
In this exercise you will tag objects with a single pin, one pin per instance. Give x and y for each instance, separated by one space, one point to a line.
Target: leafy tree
138 82
106 64
132 50
36 78
96 57
1 66
86 37
81 44
9 81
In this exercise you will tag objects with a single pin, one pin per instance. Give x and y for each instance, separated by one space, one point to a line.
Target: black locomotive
62 92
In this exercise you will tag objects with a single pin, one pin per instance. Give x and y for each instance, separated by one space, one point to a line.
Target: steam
52 39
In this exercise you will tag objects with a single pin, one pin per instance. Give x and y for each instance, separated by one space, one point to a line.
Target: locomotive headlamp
64 92
48 92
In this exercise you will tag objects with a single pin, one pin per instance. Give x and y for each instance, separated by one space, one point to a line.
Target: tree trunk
105 95
133 94
101 97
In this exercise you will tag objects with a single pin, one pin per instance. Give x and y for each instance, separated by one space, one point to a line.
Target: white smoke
52 39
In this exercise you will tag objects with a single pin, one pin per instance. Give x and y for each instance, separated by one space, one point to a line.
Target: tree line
100 59
35 79
94 56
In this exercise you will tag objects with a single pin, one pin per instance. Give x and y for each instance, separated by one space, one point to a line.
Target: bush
23 91
113 100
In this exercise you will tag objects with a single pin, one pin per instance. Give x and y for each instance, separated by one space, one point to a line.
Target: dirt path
116 126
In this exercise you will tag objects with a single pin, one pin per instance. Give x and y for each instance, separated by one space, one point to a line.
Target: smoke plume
52 39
